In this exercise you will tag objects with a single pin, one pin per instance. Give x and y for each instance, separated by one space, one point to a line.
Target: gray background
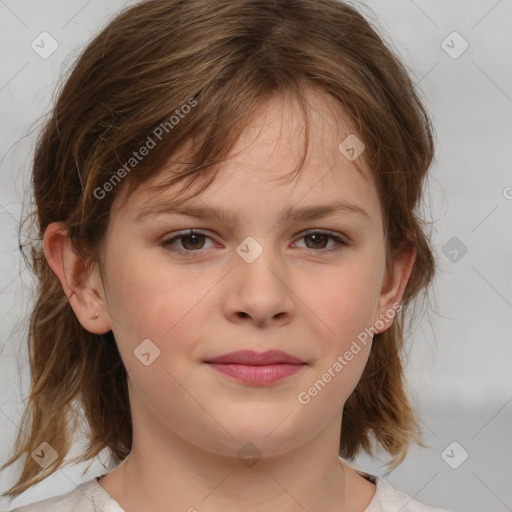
460 355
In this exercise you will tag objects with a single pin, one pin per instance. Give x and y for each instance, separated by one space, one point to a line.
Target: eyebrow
232 217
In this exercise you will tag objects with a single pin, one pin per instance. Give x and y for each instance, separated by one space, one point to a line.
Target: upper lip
250 357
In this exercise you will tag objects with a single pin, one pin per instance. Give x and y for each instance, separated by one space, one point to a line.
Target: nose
260 292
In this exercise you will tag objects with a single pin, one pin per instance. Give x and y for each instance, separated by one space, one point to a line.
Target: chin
258 439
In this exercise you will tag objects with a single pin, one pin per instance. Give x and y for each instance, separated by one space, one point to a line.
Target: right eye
193 238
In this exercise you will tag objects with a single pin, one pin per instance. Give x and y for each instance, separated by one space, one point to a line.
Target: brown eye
320 239
190 242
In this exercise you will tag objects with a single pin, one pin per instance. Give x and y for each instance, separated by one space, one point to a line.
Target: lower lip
258 375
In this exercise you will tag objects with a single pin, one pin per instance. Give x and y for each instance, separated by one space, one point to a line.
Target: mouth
250 357
256 368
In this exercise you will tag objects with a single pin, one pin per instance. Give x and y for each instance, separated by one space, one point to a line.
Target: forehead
268 151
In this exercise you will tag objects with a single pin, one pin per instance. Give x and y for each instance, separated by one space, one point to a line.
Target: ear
80 280
393 288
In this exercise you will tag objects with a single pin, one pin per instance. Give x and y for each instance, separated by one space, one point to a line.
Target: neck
166 472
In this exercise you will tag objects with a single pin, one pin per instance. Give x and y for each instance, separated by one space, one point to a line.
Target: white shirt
89 496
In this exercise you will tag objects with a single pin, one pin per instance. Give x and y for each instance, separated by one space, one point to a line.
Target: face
307 286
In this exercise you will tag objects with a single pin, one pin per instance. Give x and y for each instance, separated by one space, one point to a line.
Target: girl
226 193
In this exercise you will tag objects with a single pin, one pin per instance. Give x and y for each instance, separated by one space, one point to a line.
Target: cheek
146 296
149 300
344 299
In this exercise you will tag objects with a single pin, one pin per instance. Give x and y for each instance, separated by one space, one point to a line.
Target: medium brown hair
225 58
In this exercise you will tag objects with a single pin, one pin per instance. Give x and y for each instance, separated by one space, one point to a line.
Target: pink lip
257 374
250 357
257 368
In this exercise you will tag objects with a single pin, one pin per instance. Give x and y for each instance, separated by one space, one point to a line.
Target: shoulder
387 499
89 496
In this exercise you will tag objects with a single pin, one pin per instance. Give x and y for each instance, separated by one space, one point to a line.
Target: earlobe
390 300
78 279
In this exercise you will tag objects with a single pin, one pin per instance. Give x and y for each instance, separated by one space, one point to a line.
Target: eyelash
190 254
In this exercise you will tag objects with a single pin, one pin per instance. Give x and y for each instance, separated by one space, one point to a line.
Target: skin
190 421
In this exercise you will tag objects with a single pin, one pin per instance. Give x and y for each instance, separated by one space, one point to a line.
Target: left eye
319 236
193 241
